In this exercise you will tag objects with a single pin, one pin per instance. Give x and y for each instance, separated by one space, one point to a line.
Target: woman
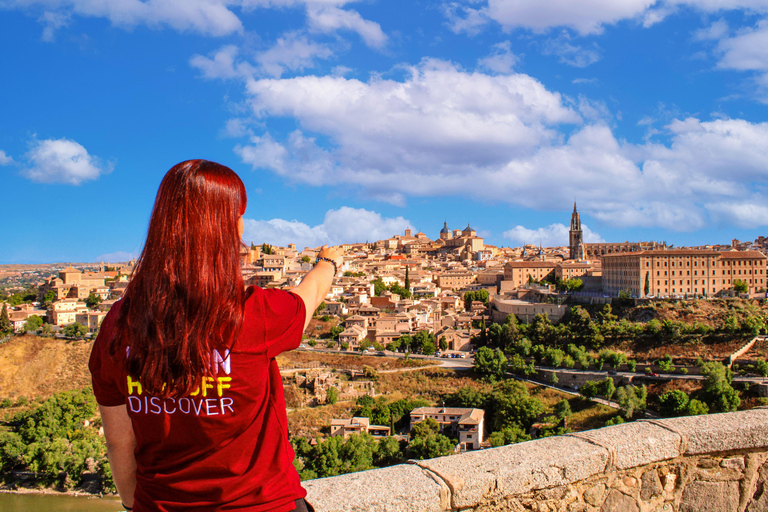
184 367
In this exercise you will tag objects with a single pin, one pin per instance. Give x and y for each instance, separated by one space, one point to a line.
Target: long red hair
186 294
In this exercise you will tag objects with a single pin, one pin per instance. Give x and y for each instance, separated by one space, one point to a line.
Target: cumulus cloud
439 120
446 131
325 19
292 52
501 60
585 17
553 235
209 17
5 159
344 225
62 161
569 53
746 51
221 63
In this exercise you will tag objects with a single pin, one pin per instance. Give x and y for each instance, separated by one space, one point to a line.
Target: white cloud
746 51
52 21
5 159
292 52
584 16
210 17
62 161
344 225
464 19
325 19
438 121
554 235
221 64
502 60
745 213
717 30
571 54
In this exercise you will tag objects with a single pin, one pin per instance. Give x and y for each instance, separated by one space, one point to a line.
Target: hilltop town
410 282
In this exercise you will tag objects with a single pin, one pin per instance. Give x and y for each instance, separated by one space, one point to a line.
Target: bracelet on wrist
329 260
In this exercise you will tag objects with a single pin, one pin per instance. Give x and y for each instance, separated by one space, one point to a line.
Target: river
56 503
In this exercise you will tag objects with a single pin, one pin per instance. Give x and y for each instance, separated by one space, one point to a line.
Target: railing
715 462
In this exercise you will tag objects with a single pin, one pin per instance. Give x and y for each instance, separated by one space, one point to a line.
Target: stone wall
713 463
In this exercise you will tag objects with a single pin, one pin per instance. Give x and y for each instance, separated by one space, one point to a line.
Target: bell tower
575 235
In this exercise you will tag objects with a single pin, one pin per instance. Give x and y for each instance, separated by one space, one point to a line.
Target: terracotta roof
742 255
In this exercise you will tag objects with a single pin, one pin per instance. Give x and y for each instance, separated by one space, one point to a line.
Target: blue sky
352 120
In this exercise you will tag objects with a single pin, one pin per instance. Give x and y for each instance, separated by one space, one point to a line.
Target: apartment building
679 272
456 422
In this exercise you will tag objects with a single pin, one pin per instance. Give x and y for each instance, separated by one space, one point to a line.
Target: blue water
55 503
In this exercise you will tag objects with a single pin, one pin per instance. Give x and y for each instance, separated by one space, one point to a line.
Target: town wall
717 462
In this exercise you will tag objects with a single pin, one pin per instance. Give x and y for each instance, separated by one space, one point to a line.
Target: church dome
445 229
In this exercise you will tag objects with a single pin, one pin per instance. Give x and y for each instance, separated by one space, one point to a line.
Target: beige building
456 422
680 272
74 284
455 280
519 273
357 425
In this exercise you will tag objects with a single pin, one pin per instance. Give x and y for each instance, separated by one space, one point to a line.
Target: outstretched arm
315 285
121 443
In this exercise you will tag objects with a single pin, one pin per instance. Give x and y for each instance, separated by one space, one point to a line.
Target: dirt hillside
36 367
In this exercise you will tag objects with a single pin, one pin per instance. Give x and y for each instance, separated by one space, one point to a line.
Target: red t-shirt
224 447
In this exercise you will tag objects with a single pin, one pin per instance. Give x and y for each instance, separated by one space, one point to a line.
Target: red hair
186 294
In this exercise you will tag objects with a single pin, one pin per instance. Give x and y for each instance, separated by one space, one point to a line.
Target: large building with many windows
681 272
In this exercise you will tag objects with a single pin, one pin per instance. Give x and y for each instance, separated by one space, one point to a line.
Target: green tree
647 288
562 409
5 321
717 391
697 407
511 404
491 364
267 249
305 259
508 435
479 295
740 286
674 403
427 442
49 297
335 331
93 300
332 396
75 330
407 279
378 286
443 343
33 323
631 399
47 330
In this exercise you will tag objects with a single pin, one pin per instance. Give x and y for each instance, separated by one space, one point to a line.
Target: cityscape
547 223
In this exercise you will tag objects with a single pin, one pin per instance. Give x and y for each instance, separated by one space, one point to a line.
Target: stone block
635 444
403 488
735 463
619 502
710 497
518 468
759 500
651 485
721 432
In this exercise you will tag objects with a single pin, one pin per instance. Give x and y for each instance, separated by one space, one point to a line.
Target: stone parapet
702 463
